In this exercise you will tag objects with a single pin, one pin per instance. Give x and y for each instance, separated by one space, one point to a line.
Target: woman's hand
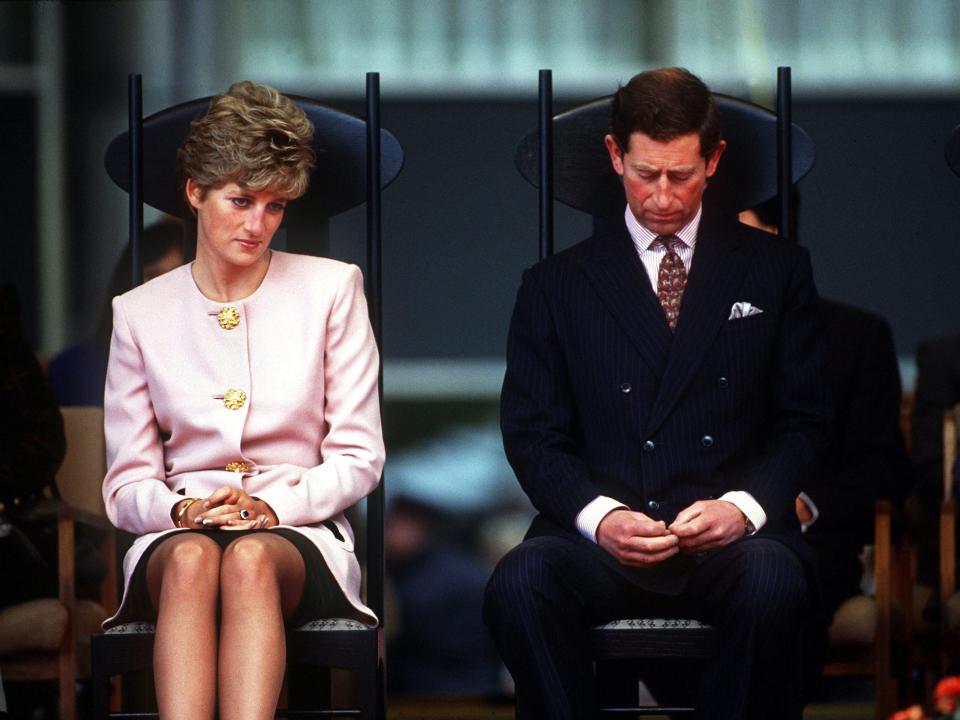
230 508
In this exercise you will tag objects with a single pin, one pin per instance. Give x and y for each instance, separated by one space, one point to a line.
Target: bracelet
183 510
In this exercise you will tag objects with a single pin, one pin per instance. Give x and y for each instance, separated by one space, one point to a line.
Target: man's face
663 181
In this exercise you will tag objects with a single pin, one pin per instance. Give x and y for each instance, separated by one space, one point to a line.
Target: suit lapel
719 264
617 275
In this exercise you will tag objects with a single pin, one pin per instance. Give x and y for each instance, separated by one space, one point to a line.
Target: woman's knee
249 561
189 561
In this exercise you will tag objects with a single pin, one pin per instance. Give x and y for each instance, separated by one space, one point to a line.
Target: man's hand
708 525
804 514
635 539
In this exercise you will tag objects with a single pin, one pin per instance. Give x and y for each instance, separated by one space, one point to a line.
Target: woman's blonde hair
251 135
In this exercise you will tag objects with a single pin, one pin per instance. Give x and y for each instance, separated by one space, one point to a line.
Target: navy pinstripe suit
600 398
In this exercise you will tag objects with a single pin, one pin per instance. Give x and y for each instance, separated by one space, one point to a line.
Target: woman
242 419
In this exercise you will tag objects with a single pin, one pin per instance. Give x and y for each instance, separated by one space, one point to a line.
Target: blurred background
875 85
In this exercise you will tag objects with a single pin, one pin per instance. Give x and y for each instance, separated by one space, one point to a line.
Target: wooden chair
567 151
350 144
862 633
48 639
949 598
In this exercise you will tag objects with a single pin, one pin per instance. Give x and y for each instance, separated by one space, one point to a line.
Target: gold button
234 399
237 466
228 317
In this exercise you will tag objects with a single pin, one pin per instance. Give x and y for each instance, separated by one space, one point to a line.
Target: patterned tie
671 279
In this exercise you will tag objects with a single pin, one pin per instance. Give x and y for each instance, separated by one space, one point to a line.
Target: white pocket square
743 309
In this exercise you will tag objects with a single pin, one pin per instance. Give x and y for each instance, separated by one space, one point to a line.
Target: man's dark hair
665 104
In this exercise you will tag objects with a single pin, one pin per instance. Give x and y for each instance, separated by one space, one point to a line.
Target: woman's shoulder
294 267
161 291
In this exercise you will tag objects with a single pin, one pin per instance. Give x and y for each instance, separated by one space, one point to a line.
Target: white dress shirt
588 519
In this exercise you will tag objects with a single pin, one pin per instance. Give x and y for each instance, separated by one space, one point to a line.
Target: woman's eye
277 207
240 202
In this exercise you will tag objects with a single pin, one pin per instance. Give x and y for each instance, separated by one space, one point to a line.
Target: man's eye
682 178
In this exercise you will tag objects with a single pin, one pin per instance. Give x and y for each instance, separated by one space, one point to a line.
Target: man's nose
663 195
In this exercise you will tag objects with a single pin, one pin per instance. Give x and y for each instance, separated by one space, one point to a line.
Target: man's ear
616 154
714 158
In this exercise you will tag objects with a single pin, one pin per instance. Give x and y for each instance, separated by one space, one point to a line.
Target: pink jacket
307 438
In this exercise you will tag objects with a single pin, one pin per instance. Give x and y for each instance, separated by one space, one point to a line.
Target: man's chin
663 227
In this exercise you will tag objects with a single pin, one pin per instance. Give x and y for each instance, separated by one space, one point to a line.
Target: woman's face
234 224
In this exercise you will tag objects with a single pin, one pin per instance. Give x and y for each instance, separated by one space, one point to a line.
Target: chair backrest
337 184
584 179
80 476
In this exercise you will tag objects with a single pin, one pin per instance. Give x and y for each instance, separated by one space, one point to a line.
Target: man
661 408
866 458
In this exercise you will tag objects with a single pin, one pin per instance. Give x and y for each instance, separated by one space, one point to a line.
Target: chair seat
641 638
332 625
321 625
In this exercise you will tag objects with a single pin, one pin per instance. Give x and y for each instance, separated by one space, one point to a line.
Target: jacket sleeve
538 416
135 495
352 448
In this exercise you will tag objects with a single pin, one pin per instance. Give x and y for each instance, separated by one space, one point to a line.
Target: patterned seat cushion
322 625
654 624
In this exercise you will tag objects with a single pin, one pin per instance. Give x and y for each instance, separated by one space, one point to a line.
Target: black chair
356 159
579 174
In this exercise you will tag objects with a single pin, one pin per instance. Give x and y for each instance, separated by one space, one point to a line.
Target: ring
244 514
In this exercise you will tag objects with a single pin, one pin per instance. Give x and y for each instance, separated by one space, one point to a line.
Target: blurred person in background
77 373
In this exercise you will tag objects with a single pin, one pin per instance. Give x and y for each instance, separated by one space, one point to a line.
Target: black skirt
322 596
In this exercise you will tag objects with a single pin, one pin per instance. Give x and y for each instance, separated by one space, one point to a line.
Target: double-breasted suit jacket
600 398
275 393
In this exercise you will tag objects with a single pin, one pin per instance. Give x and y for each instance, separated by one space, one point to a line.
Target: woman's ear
194 192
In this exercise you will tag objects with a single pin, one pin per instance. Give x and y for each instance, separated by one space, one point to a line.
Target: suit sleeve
352 447
538 416
797 424
134 492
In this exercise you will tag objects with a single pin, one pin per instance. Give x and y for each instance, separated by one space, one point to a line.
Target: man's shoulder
571 258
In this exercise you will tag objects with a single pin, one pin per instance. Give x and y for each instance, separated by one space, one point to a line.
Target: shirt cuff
814 512
588 519
748 506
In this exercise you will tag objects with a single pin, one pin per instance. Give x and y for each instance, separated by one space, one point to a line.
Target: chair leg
99 684
371 700
308 687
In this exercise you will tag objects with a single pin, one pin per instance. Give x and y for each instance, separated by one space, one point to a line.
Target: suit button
653 505
722 381
228 318
706 440
649 445
237 466
626 387
233 399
